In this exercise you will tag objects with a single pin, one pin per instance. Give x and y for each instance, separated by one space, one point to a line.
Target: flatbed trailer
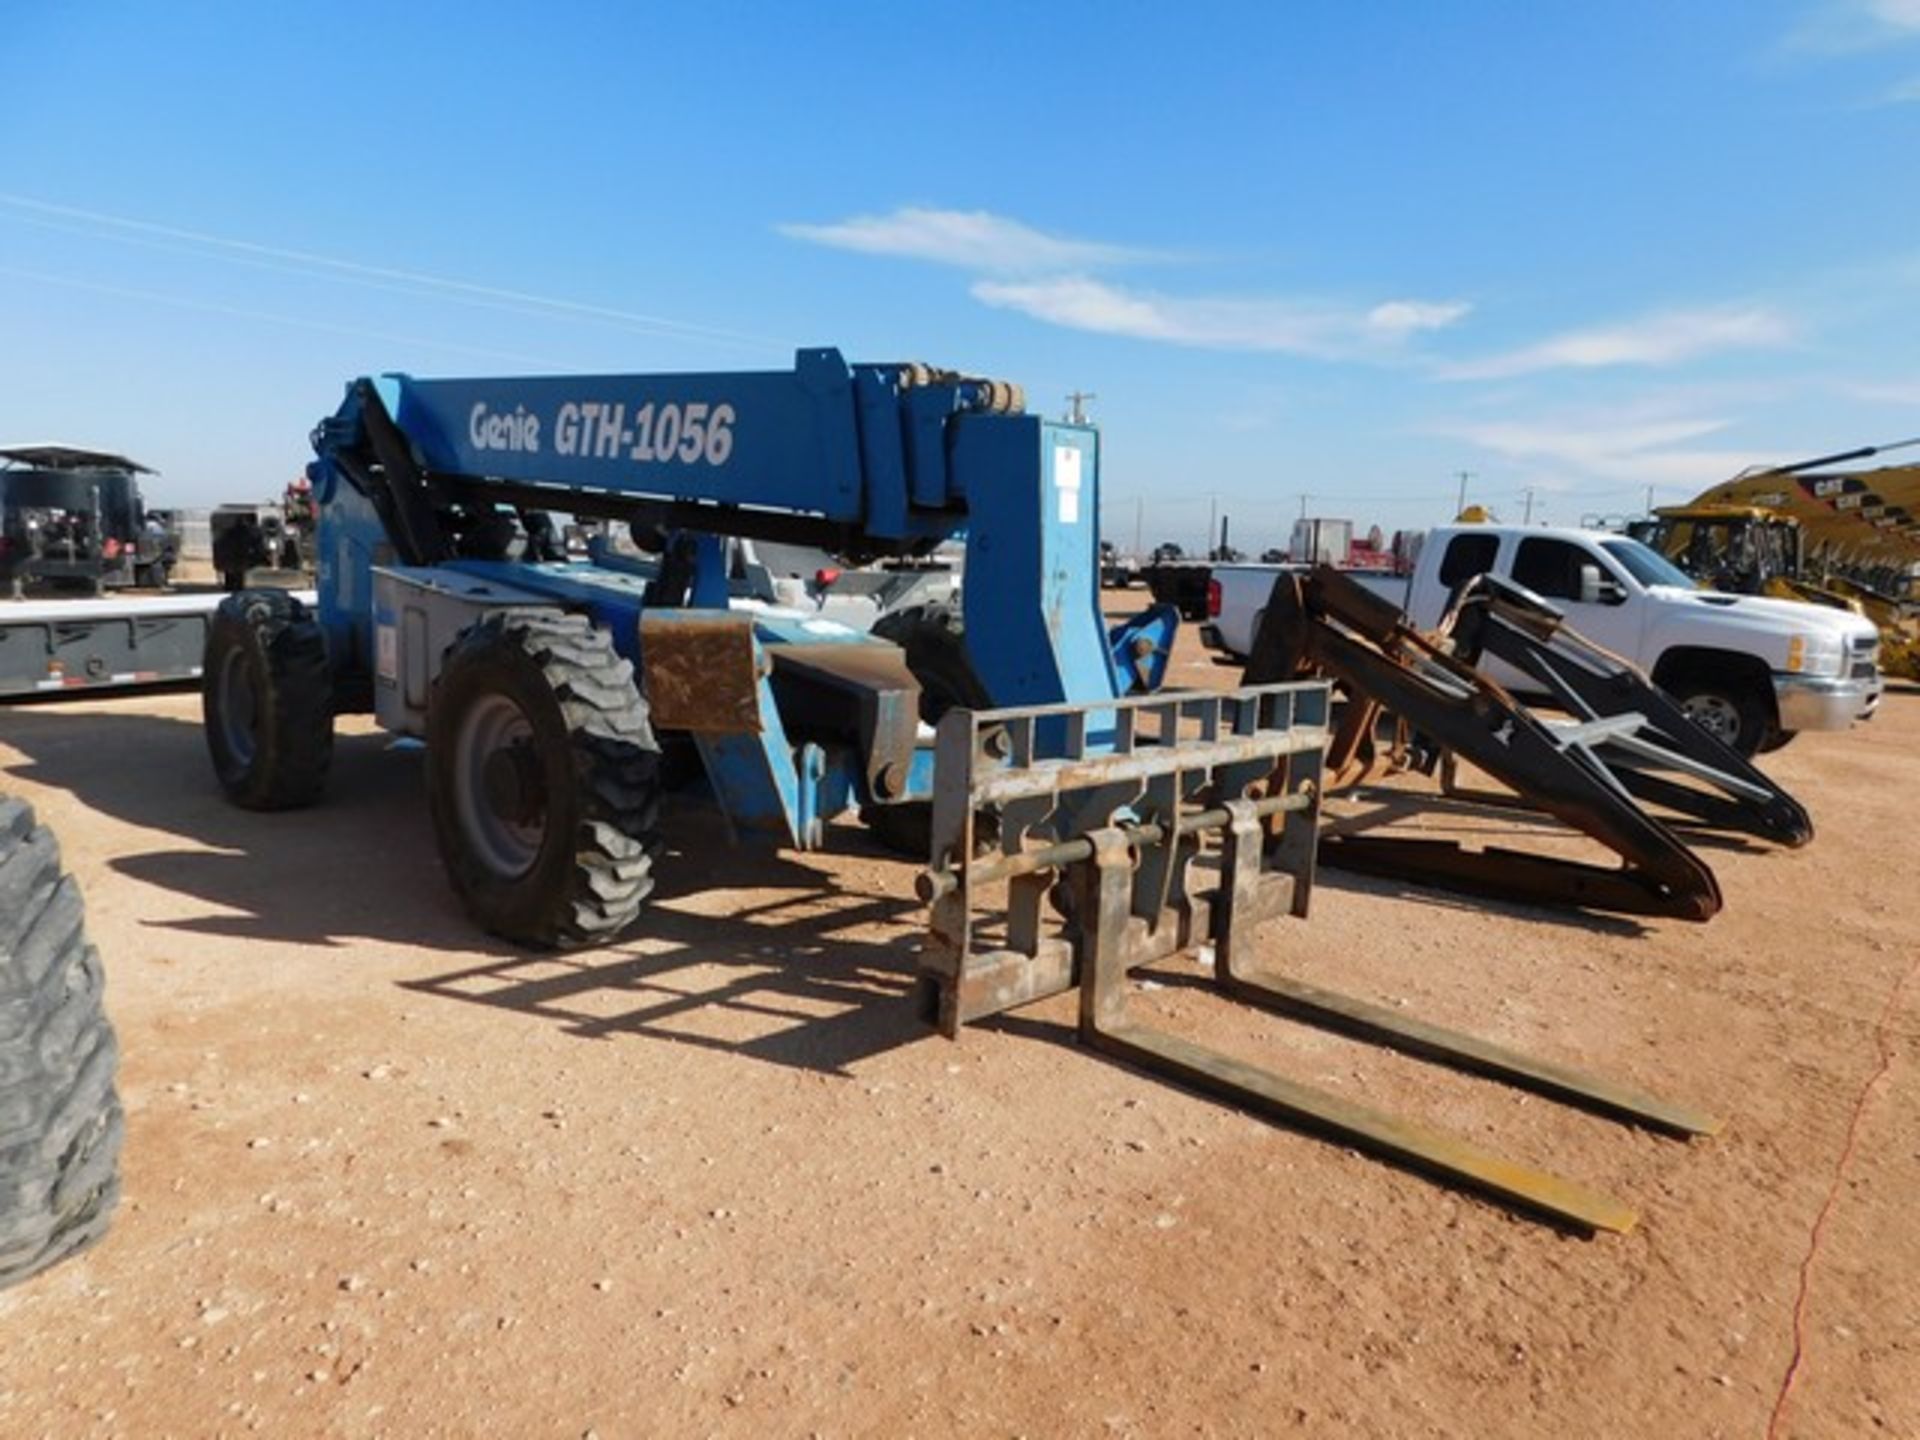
52 646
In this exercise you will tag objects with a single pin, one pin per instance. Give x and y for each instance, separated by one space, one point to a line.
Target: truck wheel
60 1119
1727 710
935 638
267 697
543 779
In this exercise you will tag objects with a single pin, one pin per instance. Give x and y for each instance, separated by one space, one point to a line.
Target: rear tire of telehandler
543 779
60 1118
266 694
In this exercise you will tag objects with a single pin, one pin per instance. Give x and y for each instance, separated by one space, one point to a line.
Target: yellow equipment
1803 532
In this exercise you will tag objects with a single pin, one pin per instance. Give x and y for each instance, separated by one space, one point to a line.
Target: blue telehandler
1075 820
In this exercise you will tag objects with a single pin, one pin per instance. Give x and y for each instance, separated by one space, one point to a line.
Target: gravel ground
384 1177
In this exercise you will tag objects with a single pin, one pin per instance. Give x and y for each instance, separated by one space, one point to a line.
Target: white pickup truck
1754 671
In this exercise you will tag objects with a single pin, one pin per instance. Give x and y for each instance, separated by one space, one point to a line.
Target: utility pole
1139 522
1649 500
1077 399
1528 518
1213 520
1303 505
1461 504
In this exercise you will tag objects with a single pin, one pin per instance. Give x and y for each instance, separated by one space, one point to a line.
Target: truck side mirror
1596 589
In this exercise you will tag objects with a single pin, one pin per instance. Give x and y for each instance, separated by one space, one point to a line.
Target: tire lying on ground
60 1119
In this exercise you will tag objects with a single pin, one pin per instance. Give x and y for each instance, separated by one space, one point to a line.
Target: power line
184 302
446 287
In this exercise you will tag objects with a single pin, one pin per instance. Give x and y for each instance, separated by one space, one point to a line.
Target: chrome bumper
1807 703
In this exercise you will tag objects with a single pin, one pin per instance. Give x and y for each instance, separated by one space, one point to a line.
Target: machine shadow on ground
760 981
804 971
793 975
1443 817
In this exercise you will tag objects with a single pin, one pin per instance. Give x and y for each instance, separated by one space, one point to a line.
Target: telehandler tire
543 776
60 1118
267 697
934 637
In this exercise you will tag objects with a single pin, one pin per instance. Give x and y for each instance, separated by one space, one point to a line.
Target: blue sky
1333 251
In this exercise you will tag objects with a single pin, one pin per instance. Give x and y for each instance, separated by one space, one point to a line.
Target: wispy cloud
1669 337
1404 317
1838 27
1900 14
1903 393
1633 450
1052 278
975 240
1297 327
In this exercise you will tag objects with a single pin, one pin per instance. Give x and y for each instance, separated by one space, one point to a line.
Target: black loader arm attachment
1624 741
1496 617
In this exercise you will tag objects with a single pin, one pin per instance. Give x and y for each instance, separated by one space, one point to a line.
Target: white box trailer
1320 542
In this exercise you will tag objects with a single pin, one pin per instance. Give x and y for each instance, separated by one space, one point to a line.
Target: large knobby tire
267 697
1727 708
543 779
934 637
60 1120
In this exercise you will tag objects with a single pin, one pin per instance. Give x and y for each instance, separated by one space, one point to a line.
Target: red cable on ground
1817 1233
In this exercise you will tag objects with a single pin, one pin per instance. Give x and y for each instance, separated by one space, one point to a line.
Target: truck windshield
1649 567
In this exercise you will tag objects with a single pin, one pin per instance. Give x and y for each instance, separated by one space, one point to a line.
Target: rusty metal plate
702 671
870 667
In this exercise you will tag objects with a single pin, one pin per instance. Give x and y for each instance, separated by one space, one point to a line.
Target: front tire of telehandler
543 779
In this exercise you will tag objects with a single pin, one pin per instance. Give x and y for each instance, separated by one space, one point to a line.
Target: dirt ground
384 1177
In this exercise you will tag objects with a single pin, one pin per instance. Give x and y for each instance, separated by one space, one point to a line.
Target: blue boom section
847 443
1033 562
881 458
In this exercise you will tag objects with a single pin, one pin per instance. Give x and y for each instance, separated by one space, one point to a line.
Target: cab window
1552 567
1466 557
